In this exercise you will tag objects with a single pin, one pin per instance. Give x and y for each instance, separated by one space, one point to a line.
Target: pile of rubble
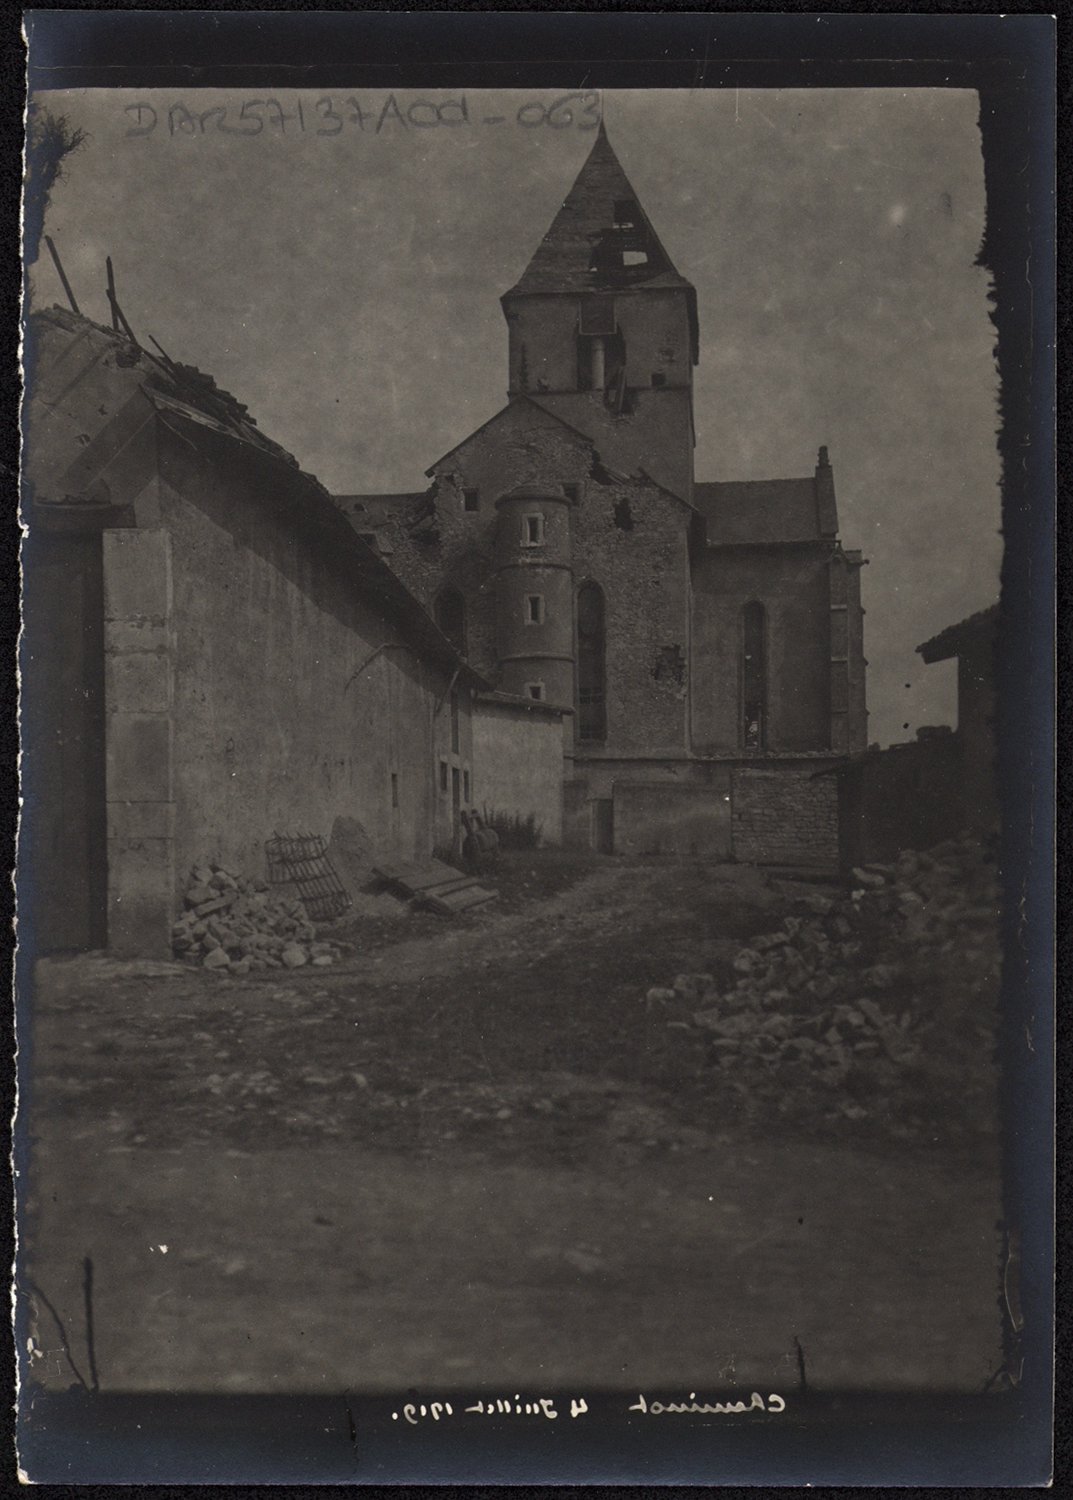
897 978
235 925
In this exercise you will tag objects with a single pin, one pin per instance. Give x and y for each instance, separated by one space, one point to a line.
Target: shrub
514 831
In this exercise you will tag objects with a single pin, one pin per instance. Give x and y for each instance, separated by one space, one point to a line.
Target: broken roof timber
182 397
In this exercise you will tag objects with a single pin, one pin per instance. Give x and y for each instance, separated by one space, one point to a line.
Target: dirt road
473 1153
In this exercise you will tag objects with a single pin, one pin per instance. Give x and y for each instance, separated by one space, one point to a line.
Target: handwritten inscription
502 1406
716 1408
331 116
543 1406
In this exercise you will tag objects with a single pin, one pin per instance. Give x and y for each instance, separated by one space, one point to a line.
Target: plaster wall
139 643
662 818
518 765
543 340
543 343
281 721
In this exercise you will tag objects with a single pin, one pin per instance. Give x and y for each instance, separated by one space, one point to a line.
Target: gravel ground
507 1070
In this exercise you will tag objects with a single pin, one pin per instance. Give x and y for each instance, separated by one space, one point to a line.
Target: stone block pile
235 925
897 976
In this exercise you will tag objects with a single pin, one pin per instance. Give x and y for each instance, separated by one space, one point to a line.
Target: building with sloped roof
707 636
211 656
974 643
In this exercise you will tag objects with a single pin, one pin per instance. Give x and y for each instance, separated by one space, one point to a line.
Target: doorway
603 820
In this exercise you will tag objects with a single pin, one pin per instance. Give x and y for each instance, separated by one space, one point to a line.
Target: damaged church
705 639
564 625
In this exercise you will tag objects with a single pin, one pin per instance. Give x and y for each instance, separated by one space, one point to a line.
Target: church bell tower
603 330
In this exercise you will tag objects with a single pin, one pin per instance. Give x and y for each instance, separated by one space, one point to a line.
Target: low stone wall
784 817
661 818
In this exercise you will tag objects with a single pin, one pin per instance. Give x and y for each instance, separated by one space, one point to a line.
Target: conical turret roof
601 238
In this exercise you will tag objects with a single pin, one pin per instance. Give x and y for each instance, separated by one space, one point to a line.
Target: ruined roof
158 374
377 504
65 390
761 511
601 238
957 638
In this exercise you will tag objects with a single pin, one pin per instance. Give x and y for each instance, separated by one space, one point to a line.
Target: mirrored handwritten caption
714 1408
415 1412
501 1406
331 116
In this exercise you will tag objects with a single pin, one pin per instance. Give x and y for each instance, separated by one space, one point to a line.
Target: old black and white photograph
510 859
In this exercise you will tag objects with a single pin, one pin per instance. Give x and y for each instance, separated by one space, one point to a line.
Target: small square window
535 690
534 609
572 493
471 499
443 775
533 530
658 378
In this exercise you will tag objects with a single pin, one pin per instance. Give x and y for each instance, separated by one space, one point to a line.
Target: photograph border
1003 1438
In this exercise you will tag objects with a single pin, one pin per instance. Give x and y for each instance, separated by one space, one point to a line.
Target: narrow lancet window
753 678
591 672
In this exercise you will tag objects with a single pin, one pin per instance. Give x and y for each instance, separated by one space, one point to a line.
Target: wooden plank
455 884
461 900
410 870
419 878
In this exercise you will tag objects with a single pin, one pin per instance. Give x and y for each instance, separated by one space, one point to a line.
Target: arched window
753 677
591 685
449 613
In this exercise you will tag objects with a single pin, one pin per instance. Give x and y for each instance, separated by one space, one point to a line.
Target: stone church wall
632 541
792 585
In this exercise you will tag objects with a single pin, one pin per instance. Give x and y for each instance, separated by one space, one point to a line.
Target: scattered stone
248 922
294 957
219 903
907 961
748 960
216 958
693 986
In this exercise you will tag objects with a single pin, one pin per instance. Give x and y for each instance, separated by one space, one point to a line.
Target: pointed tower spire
601 238
602 327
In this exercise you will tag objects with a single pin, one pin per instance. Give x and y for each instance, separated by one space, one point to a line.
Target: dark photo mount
1001 1436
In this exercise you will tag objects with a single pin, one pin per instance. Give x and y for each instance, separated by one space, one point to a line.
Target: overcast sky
345 286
